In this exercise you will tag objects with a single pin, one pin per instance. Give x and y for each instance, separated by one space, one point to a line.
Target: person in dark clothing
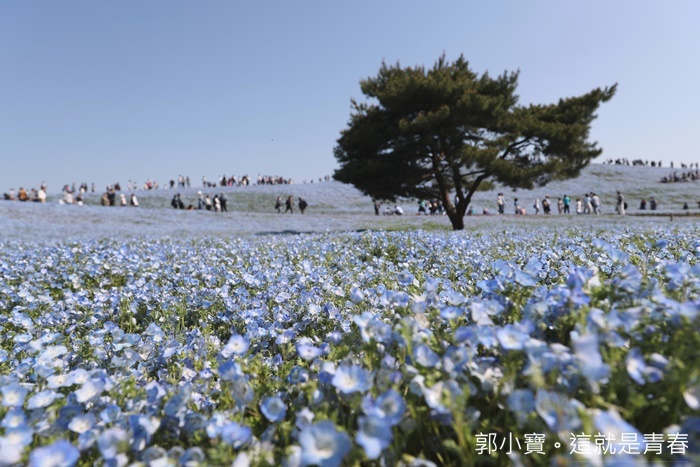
222 201
302 204
278 204
288 205
377 206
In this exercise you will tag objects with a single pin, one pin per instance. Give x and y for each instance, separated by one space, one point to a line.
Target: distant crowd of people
289 205
182 181
219 203
687 176
647 163
588 204
35 195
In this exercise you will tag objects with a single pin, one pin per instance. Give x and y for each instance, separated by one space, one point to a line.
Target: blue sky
111 91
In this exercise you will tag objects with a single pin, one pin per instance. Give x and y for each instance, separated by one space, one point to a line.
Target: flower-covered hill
336 207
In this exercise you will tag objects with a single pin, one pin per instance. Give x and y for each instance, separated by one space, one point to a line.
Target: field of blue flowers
514 347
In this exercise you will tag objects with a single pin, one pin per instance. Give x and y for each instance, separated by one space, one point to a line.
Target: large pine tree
441 133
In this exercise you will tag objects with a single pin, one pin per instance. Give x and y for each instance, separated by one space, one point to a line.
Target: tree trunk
457 220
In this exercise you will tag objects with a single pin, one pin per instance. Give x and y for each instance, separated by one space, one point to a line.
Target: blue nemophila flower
304 417
61 380
691 395
431 285
389 406
235 434
589 359
90 390
511 338
236 345
325 374
111 442
110 413
13 395
351 378
192 457
323 445
452 297
524 279
613 426
20 436
306 350
486 336
374 435
424 356
558 411
273 408
230 370
78 377
522 403
404 278
14 418
43 399
636 367
11 453
60 453
356 295
177 405
298 375
451 312
81 423
142 428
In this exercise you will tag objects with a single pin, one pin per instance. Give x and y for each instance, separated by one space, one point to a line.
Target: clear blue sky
110 91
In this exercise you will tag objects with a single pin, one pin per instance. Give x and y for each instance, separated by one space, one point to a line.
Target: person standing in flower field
595 203
546 205
288 205
501 201
620 204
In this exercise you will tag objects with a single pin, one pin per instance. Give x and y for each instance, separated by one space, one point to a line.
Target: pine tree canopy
441 133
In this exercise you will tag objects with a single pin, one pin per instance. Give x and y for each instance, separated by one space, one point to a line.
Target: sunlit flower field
503 347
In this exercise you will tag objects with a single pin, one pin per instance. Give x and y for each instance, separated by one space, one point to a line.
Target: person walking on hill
288 205
278 204
302 204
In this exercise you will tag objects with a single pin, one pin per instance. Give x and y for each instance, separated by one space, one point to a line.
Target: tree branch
514 146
